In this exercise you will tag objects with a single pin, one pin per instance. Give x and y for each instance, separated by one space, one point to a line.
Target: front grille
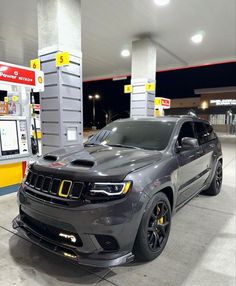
54 190
51 232
33 180
55 186
46 184
65 189
76 190
39 182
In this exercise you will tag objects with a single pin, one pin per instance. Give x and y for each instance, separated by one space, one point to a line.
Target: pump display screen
8 137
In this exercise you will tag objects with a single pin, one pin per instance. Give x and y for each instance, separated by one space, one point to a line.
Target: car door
207 140
190 165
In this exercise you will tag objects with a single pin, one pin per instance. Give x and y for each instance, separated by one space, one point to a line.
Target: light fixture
125 53
95 96
198 37
204 105
161 2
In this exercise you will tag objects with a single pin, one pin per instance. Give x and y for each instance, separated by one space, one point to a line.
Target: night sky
170 84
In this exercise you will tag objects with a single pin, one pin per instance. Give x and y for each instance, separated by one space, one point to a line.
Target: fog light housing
107 242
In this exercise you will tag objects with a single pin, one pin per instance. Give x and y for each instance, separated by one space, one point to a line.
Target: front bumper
119 220
67 252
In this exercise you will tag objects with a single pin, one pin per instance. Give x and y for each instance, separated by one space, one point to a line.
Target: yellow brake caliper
161 219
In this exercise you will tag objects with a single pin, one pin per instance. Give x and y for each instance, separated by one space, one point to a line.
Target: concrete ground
200 250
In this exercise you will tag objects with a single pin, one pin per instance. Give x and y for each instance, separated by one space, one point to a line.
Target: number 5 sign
62 59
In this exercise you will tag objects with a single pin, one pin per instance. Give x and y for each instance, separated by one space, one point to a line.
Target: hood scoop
83 163
50 158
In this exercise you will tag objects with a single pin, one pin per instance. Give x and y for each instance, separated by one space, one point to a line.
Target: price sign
128 88
62 59
35 64
150 86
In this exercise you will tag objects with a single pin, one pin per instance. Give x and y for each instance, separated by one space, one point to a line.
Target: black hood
95 163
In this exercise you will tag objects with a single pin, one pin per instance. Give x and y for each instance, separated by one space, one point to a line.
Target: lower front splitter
67 252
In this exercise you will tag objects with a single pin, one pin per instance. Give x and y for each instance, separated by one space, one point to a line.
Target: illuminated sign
220 102
163 102
12 74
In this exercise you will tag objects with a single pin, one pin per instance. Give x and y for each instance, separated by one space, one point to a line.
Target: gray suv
112 199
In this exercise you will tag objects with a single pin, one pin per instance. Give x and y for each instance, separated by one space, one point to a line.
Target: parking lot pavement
200 251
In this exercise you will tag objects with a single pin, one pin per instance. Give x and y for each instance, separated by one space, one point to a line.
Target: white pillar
143 72
59 30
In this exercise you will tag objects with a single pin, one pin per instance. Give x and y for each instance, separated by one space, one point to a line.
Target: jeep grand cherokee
112 199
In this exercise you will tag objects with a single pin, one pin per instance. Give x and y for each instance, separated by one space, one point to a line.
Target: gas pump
15 120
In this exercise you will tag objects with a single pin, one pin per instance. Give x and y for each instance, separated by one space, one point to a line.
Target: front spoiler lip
82 259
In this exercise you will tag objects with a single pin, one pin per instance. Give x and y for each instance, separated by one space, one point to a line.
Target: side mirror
188 143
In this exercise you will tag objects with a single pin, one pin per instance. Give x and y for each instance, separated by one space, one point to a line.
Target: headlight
110 189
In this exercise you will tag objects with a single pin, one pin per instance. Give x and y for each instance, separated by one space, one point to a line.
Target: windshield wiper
123 146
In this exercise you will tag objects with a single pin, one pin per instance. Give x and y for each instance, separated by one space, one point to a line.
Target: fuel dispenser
15 121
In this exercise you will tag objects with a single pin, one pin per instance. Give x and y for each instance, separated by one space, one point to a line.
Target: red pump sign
12 74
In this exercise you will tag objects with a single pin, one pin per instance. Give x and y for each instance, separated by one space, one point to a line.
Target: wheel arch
168 191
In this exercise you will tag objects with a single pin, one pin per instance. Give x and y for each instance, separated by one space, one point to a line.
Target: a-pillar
143 72
59 30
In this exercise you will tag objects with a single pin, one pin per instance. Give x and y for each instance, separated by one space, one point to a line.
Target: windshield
152 135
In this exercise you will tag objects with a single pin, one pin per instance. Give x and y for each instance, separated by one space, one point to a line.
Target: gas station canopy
108 27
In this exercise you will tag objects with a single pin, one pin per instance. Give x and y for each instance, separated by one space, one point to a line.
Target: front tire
216 183
154 229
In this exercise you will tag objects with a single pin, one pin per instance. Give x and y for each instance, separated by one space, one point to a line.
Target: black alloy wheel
154 229
158 226
216 183
219 176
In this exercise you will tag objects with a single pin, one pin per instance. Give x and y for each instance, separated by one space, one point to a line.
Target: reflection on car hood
96 162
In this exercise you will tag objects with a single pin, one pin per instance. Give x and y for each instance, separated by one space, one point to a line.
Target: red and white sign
162 102
36 107
165 102
17 75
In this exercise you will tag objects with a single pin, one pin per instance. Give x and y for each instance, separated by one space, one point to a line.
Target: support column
143 72
59 30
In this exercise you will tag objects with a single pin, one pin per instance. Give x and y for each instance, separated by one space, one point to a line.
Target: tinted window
153 135
201 132
186 131
210 132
